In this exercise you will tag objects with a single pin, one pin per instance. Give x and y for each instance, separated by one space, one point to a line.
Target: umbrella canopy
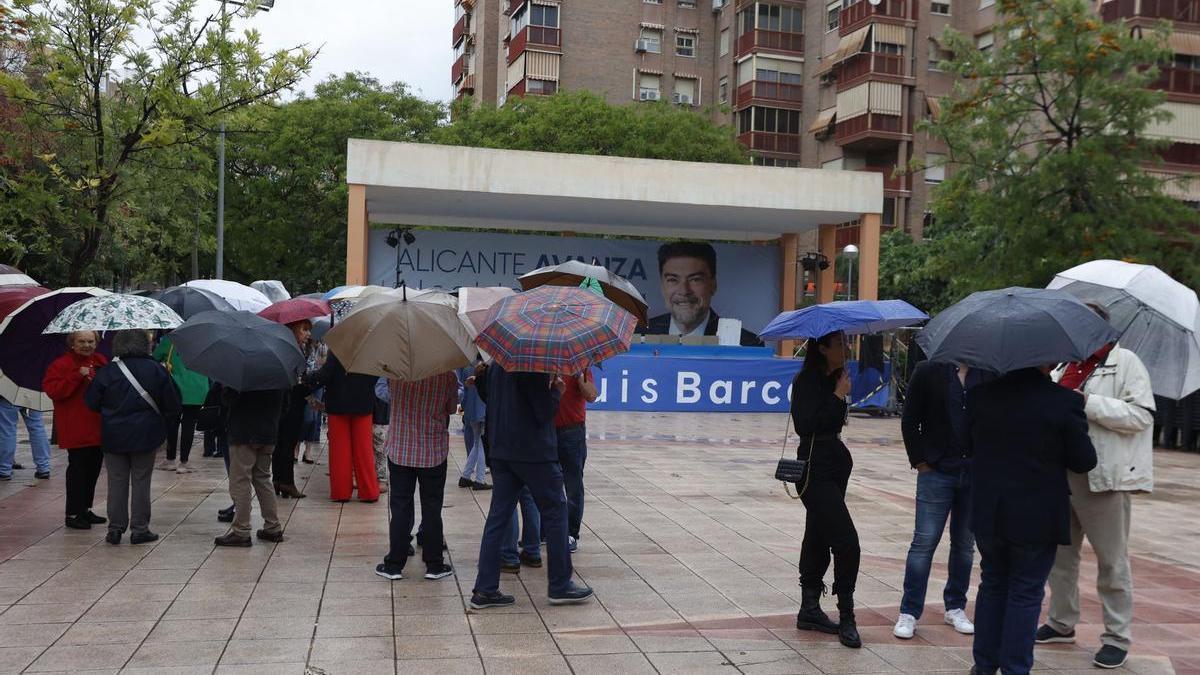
328 295
474 305
572 273
556 329
12 297
241 297
240 350
853 317
1014 328
320 327
188 302
114 312
296 309
356 293
25 352
1158 318
11 276
275 290
403 336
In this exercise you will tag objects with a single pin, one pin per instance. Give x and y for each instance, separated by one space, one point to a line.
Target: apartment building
835 84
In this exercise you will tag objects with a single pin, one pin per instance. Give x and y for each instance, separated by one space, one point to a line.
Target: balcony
458 69
1182 153
871 131
467 86
1179 81
772 40
765 141
893 186
857 15
460 29
864 64
1181 11
513 5
771 92
533 36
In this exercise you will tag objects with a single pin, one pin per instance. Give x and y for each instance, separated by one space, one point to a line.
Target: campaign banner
745 285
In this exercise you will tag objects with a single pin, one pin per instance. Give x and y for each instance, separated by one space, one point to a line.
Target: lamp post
851 253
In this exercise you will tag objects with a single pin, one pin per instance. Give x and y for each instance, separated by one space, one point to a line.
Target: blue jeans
572 455
38 441
1012 585
476 466
940 496
530 539
544 480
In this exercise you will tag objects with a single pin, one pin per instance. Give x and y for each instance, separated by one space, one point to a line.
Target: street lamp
851 253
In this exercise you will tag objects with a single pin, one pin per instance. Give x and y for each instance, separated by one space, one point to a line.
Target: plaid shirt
419 418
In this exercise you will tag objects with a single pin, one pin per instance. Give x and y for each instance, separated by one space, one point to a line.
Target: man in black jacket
935 436
1026 433
524 453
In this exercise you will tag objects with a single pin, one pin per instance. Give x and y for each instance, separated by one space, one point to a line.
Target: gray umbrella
1014 328
240 350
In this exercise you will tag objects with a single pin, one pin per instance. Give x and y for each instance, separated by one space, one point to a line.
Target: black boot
847 629
811 616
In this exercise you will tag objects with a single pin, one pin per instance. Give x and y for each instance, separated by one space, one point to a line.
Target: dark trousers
572 455
181 433
129 482
941 496
1012 585
216 444
83 470
828 531
545 483
283 459
404 482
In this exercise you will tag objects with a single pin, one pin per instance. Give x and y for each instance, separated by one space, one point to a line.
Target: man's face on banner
687 287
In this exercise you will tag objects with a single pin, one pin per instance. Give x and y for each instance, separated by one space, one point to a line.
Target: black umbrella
1014 328
188 302
240 350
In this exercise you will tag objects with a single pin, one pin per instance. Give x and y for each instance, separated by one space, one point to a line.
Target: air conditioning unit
683 99
642 46
718 5
649 95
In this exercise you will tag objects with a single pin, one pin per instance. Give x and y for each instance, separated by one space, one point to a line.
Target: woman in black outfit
819 394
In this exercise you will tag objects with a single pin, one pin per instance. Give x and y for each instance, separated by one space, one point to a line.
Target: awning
891 34
935 106
542 65
824 119
653 26
1184 127
687 30
848 46
1179 186
687 76
650 71
1185 43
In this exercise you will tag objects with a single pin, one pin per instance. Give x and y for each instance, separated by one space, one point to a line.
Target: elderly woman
66 381
135 397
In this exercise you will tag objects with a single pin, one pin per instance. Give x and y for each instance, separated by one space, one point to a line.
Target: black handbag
795 471
208 419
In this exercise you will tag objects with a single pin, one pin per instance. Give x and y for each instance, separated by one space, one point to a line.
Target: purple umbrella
25 353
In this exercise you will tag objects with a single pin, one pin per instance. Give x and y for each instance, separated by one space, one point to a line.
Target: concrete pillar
868 256
357 226
789 254
827 240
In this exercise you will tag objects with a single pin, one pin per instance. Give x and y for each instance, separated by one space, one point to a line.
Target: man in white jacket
1119 404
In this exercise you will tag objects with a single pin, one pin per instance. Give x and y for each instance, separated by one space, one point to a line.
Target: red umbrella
296 309
12 297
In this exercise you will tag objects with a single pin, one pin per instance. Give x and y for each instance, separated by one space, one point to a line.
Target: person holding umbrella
66 382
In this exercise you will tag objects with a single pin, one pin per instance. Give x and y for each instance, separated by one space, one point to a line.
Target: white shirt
698 331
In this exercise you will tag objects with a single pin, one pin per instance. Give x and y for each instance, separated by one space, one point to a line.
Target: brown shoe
287 490
276 536
232 539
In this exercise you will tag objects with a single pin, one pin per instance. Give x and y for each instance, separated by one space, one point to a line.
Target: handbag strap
136 385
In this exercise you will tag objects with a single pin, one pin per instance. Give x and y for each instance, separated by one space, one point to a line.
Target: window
652 2
776 121
984 42
780 19
544 15
847 4
685 91
687 4
723 90
519 20
685 44
745 119
745 21
889 211
941 8
833 15
651 40
1186 62
649 87
776 161
724 41
984 4
935 167
937 55
888 48
542 87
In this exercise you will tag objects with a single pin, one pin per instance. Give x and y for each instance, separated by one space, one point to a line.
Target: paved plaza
690 545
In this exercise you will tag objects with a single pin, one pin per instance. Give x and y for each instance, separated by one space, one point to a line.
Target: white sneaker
906 625
166 465
183 468
958 619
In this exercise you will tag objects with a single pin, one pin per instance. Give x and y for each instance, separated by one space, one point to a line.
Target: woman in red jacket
67 378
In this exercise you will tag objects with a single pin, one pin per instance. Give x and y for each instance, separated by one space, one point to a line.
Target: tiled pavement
689 543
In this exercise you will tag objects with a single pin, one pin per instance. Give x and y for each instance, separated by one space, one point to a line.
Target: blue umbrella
853 317
333 291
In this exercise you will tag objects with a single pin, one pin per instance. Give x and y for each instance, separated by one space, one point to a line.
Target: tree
1046 136
112 119
584 123
286 202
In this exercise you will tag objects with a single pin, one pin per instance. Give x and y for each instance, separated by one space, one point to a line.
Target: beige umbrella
403 336
359 293
475 303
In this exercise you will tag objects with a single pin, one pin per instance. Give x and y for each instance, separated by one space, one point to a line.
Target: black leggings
83 469
181 433
828 531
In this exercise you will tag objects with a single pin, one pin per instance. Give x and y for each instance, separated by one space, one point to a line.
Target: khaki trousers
1103 517
251 465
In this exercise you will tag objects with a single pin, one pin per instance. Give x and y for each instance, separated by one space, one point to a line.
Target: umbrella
12 297
114 312
241 297
25 352
1014 328
240 350
320 327
274 290
1158 318
328 295
403 336
296 309
853 317
555 329
356 293
474 304
188 301
11 276
573 272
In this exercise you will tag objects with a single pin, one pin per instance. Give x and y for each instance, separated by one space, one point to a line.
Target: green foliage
286 195
581 122
903 273
1046 137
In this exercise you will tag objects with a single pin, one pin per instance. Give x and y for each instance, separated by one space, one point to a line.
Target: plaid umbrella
556 329
575 273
